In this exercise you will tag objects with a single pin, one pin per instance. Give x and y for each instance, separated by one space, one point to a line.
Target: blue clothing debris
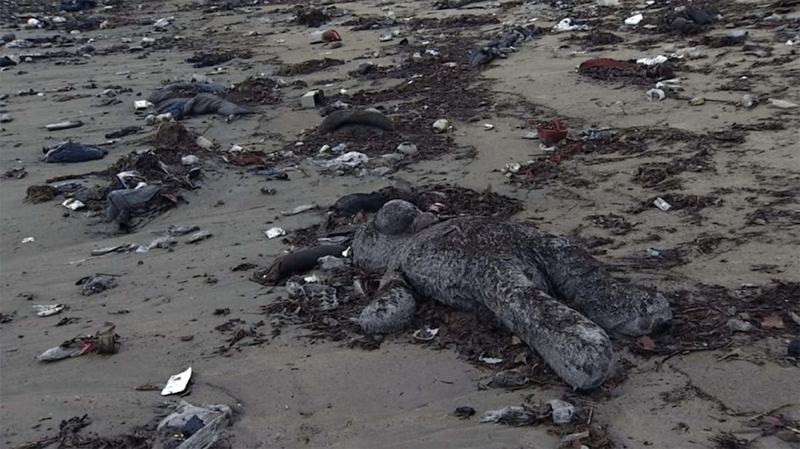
73 152
76 5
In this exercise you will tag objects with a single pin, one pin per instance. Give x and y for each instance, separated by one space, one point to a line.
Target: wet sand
731 173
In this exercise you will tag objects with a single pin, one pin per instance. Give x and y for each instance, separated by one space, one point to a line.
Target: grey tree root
553 295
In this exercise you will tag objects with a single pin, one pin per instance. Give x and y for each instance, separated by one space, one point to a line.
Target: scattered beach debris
48 310
177 383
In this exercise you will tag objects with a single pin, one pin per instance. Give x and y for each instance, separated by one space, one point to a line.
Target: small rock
407 148
794 347
464 412
739 325
441 125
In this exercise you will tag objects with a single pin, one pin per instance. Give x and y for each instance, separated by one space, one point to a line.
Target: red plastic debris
551 132
607 63
772 321
331 36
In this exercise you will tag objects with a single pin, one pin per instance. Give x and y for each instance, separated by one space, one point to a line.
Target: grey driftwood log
553 295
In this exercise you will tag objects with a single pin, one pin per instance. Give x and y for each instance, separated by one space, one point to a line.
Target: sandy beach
721 149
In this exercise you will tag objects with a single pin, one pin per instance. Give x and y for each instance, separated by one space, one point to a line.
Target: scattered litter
551 132
73 204
514 415
488 126
48 310
102 342
508 379
568 25
331 263
179 230
198 236
530 135
319 297
697 101
177 383
634 20
654 60
312 99
96 284
274 232
351 159
562 411
655 95
441 125
68 124
114 249
425 334
299 209
324 36
190 159
198 427
774 322
73 152
490 360
165 242
662 204
122 204
783 104
28 240
204 143
749 101
142 104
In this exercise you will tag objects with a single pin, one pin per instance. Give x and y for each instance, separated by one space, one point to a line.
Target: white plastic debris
351 159
671 85
177 383
47 310
655 94
568 25
662 204
562 411
299 209
531 135
441 125
190 159
198 236
634 20
202 142
654 60
511 168
161 23
490 360
28 240
73 204
58 353
141 104
311 99
271 233
488 126
407 148
783 104
426 333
